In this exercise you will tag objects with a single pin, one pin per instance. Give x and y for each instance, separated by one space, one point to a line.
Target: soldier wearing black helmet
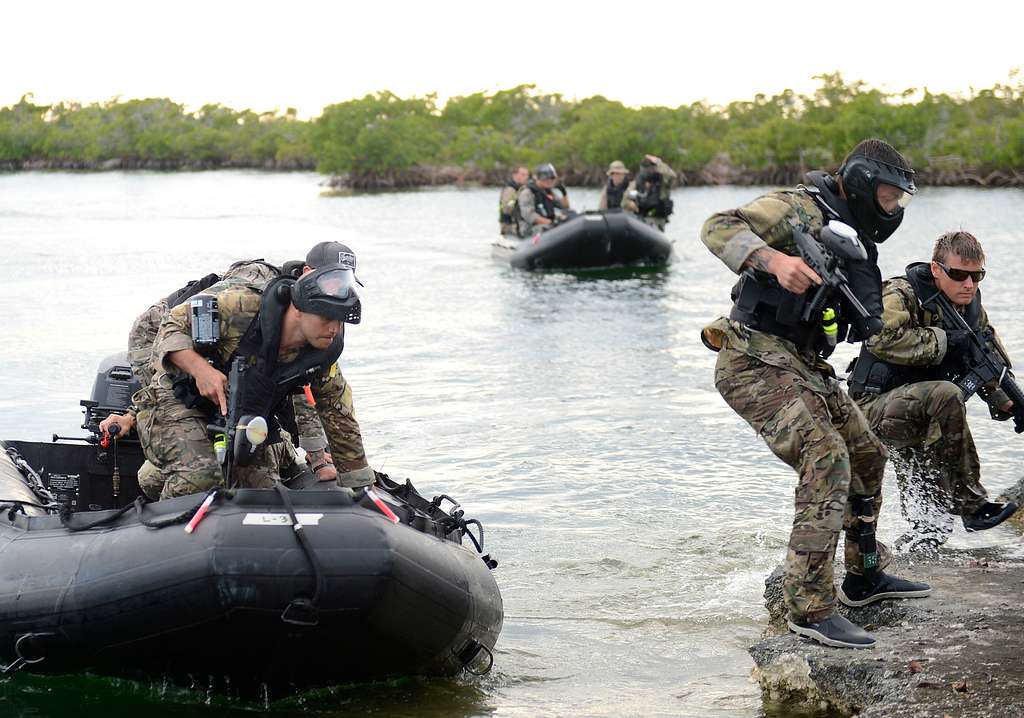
542 201
289 334
771 371
649 195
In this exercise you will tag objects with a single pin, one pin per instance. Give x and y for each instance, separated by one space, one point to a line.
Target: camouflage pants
826 439
311 431
924 424
180 452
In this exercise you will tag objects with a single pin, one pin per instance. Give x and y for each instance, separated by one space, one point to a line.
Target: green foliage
385 135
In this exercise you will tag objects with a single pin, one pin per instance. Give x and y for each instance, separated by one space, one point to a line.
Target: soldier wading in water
771 371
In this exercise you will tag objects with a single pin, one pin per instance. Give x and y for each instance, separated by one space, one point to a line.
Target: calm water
634 515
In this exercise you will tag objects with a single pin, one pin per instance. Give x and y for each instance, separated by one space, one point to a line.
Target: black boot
989 516
860 590
834 631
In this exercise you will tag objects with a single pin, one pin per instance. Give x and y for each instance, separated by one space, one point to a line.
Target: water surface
633 514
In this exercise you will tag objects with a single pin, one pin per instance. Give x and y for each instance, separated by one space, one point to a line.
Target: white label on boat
281 519
594 217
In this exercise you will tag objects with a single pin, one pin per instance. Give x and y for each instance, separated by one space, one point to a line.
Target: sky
304 54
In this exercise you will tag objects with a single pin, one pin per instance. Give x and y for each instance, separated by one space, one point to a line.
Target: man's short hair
963 244
879 150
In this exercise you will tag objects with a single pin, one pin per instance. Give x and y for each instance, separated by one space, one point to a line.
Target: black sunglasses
961 275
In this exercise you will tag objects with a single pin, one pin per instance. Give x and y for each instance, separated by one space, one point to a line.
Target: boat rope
302 611
21 660
33 480
67 516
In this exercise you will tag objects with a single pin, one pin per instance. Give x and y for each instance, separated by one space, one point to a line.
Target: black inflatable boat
588 241
373 584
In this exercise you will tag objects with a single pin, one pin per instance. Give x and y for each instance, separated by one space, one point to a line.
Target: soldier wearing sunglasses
900 382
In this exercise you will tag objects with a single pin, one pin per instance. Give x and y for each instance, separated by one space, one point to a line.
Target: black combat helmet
862 177
545 171
330 290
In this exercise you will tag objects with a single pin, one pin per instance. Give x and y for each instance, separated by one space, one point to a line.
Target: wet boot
989 516
861 590
834 631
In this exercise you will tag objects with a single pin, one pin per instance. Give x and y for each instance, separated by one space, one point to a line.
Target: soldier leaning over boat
254 273
291 326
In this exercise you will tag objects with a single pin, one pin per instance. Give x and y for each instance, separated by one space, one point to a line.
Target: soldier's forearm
188 360
760 259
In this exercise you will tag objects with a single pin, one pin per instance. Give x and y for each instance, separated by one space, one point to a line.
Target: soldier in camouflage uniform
303 343
613 193
539 205
770 370
900 383
253 273
508 202
649 195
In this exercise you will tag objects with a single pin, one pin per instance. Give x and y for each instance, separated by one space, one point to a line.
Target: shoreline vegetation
382 141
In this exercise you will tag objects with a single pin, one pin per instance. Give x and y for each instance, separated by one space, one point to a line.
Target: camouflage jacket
913 335
238 306
668 177
507 208
771 218
144 330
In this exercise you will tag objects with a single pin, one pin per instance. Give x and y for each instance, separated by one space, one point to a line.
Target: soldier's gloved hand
957 341
561 188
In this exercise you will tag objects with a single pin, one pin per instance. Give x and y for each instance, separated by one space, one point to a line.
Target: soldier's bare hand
213 385
793 273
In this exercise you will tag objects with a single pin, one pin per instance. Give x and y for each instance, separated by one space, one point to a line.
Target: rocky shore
955 654
719 171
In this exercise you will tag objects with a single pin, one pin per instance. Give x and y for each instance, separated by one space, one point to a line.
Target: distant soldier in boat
771 370
543 201
508 213
649 195
289 333
614 190
903 381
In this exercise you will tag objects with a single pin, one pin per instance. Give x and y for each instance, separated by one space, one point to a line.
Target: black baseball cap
327 253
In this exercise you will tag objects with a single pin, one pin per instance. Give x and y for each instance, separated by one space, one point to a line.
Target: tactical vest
649 200
761 303
871 375
269 384
505 216
614 193
543 201
865 277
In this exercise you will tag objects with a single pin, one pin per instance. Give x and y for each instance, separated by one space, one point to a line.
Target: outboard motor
111 392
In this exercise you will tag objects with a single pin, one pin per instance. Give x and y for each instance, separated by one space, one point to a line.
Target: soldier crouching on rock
903 382
771 371
288 334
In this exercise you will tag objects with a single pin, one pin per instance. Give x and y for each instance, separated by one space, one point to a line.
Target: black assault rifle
230 440
839 244
983 364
